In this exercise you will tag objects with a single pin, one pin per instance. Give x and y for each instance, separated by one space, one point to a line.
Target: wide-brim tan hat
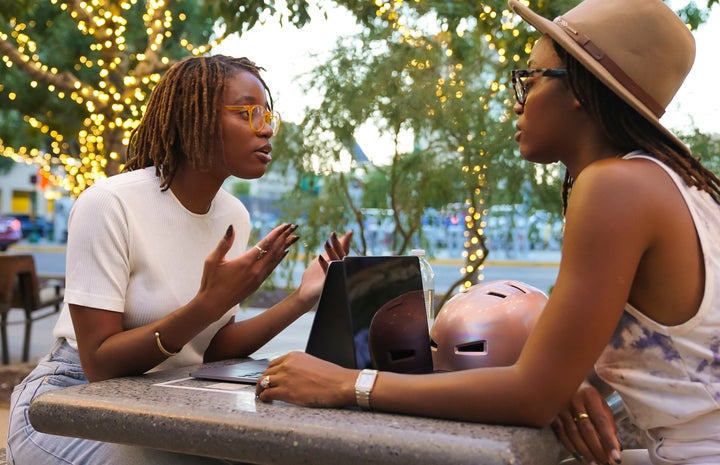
640 49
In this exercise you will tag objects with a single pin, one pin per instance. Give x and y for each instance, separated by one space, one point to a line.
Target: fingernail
333 235
229 232
577 457
615 455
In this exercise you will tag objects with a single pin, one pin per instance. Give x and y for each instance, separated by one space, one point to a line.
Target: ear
576 103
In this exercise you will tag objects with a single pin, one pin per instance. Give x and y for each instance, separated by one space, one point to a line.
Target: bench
22 288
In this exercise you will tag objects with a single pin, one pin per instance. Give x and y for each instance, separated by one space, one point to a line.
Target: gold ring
261 252
581 416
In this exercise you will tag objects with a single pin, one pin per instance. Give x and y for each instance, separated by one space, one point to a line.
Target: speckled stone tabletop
169 410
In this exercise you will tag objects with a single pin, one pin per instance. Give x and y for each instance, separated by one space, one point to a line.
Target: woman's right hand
227 282
586 427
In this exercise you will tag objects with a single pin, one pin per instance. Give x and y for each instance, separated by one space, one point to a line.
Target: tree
77 74
435 69
430 70
706 147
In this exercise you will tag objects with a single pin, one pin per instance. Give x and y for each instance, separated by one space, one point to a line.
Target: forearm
109 352
242 338
489 395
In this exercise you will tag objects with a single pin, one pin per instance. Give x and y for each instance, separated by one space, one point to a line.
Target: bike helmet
485 326
398 337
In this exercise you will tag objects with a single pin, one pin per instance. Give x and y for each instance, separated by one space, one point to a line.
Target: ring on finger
581 416
261 252
265 383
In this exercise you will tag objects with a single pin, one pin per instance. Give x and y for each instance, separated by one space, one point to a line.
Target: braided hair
628 130
182 121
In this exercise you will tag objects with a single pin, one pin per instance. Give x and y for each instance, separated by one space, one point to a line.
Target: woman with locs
158 256
637 295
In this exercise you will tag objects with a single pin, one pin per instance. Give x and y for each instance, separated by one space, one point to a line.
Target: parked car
40 225
10 231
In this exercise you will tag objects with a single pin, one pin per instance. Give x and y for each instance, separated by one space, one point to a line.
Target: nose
266 131
518 108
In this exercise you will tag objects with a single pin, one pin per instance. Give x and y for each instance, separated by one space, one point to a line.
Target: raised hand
314 276
226 282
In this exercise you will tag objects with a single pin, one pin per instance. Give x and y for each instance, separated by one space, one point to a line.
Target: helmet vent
497 294
401 354
471 348
524 291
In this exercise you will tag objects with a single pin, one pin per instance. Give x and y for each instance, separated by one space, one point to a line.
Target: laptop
355 289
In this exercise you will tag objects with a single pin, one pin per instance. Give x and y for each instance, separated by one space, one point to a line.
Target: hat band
606 62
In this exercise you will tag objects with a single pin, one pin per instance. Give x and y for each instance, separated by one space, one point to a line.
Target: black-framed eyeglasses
258 116
519 76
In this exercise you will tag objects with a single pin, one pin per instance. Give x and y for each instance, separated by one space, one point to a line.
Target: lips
263 153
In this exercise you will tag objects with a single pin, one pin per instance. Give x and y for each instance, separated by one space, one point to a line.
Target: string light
451 88
114 103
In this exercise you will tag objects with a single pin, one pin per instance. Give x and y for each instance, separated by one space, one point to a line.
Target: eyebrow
246 100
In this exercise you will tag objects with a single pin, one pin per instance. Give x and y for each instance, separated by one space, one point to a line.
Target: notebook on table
355 289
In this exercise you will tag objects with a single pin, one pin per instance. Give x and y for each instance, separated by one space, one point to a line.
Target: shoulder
631 181
118 193
124 182
616 204
617 171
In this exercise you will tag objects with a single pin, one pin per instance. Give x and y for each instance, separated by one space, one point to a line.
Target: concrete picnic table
170 410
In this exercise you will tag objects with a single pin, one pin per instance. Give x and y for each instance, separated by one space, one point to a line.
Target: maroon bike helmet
485 326
398 336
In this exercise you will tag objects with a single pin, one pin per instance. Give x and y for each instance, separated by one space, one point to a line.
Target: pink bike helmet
485 325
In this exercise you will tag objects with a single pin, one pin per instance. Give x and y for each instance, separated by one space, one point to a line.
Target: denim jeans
25 446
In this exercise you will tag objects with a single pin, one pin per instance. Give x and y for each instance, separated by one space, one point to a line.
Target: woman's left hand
314 276
305 380
586 427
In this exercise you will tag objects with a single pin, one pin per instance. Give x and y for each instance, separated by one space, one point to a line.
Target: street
541 274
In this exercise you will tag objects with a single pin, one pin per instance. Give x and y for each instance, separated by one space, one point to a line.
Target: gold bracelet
162 347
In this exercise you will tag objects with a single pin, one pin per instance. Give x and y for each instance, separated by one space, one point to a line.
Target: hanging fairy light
114 103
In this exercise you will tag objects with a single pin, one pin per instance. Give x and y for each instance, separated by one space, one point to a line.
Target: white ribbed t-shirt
135 249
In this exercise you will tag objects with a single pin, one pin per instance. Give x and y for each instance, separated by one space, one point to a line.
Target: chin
246 174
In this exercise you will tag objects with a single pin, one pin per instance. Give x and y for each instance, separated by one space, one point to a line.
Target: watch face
365 380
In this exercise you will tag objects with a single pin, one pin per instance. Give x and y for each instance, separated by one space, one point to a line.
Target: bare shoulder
622 206
616 172
627 182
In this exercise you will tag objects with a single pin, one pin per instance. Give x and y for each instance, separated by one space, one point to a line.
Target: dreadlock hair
628 130
182 121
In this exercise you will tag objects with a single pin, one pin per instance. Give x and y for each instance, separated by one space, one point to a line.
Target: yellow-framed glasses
258 116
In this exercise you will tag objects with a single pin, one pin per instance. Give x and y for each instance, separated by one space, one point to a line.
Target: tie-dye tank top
669 377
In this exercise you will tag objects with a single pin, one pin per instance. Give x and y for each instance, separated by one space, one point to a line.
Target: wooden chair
22 288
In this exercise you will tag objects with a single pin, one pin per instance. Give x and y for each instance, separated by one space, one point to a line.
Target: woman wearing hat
638 291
